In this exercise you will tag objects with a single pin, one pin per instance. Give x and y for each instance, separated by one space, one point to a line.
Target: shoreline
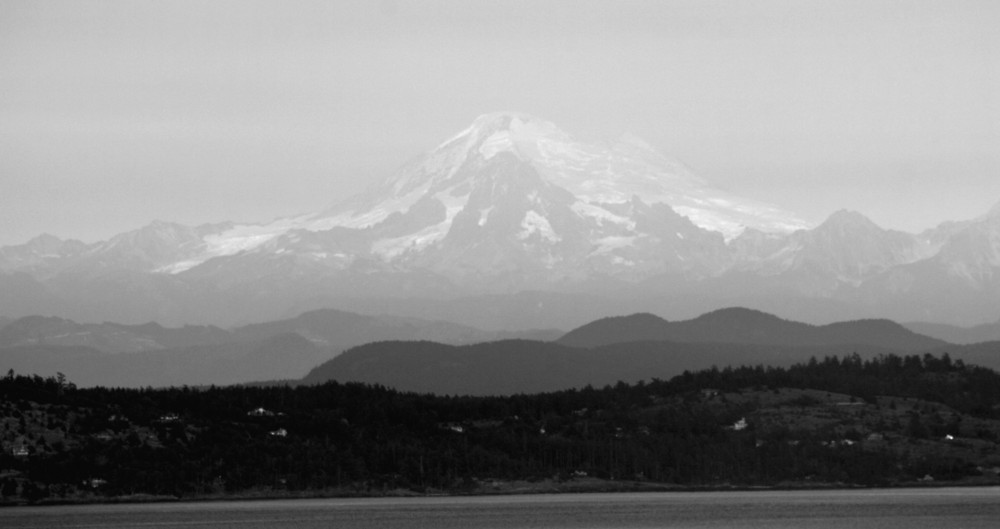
509 488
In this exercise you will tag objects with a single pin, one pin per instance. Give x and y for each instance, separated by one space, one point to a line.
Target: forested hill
522 366
748 327
831 422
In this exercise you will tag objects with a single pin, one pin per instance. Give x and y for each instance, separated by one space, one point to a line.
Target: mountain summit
497 147
512 196
512 204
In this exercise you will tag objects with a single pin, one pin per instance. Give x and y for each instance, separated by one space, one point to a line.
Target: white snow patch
601 215
498 142
179 266
241 238
233 241
484 215
452 203
389 249
712 221
354 219
452 139
609 244
535 223
557 152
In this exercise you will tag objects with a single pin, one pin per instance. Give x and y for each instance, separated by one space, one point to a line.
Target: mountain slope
513 204
115 354
745 326
286 356
987 332
340 329
107 337
519 366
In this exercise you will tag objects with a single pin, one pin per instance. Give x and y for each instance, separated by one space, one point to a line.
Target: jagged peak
846 214
847 217
49 244
511 122
157 228
632 140
514 123
501 120
45 239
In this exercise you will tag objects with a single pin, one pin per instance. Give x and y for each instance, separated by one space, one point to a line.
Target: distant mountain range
988 332
627 349
747 327
438 357
512 206
516 366
112 354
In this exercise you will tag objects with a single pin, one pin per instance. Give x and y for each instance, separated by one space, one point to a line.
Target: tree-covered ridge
509 367
744 326
887 421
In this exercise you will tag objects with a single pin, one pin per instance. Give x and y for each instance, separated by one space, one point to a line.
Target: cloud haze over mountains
432 356
517 219
818 161
117 113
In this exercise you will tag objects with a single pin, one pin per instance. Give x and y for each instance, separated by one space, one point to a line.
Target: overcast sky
113 114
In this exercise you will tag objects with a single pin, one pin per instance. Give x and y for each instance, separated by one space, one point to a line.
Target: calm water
923 508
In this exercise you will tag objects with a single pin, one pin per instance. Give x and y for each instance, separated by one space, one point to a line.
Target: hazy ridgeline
440 357
514 224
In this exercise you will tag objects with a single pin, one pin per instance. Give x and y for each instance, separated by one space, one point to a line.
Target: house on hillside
740 425
455 427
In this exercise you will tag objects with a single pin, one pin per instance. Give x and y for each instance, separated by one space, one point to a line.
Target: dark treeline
358 439
969 389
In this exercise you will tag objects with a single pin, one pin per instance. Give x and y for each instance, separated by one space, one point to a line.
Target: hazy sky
113 114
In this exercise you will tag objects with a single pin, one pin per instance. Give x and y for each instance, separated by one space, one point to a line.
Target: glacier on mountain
594 174
513 204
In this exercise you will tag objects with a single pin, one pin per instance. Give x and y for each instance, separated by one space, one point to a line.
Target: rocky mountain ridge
513 204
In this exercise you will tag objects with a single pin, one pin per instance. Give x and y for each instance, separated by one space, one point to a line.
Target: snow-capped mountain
591 174
509 192
847 248
513 204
